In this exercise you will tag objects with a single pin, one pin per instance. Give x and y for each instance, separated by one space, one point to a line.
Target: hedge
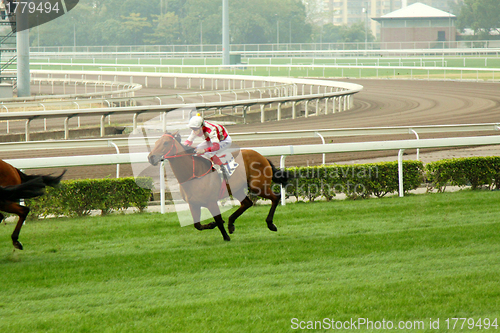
467 171
80 197
355 181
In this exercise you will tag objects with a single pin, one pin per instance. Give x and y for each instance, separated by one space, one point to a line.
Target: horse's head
167 145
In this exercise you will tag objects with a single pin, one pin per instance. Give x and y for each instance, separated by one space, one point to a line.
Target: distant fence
271 50
299 70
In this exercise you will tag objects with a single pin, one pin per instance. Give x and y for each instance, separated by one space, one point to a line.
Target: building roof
416 11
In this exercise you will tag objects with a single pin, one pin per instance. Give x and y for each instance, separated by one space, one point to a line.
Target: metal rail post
283 190
400 172
323 141
27 129
112 144
162 187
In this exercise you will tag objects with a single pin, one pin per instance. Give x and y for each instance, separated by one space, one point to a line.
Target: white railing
107 88
400 145
255 136
340 92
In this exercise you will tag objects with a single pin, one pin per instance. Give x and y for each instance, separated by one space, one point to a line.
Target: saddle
226 162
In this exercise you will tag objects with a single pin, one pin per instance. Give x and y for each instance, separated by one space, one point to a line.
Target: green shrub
473 171
355 181
80 197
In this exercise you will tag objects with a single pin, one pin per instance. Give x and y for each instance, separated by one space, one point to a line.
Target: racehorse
200 185
16 185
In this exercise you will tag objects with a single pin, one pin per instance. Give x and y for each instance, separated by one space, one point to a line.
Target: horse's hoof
227 239
231 228
18 245
272 227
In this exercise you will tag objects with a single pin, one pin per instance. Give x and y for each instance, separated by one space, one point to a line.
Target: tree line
166 22
170 22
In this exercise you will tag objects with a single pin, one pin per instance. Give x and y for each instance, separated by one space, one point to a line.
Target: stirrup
222 171
225 175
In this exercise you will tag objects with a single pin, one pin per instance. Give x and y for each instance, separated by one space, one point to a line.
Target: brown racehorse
200 186
20 185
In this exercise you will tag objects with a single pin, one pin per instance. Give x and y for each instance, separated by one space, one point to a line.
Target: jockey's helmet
195 122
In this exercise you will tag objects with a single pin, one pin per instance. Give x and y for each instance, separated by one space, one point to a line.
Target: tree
129 22
135 27
257 21
331 33
482 16
355 33
202 16
166 31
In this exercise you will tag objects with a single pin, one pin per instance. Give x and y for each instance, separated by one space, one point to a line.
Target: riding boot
219 166
216 160
225 173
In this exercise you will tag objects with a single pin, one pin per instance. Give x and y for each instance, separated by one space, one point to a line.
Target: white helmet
195 122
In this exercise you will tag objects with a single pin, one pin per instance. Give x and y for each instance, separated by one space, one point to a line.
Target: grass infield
414 259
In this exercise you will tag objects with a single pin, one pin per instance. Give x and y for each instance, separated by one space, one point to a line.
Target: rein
167 156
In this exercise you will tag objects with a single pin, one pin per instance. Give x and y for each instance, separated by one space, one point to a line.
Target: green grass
398 259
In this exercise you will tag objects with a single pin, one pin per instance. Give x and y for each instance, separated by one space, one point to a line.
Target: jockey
217 140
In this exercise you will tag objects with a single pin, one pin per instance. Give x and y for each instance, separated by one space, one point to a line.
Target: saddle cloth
229 163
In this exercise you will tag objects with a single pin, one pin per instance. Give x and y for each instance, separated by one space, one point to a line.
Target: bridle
167 156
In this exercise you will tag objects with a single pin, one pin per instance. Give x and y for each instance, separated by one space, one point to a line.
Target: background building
415 26
342 12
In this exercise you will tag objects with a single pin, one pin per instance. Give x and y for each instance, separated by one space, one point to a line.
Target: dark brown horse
199 186
17 185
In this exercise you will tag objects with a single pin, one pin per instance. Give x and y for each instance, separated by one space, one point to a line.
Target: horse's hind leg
275 199
215 211
20 211
245 204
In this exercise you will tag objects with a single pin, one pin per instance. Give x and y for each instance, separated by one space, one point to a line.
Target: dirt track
380 103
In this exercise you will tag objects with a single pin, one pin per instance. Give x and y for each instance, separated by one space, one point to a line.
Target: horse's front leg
215 211
196 214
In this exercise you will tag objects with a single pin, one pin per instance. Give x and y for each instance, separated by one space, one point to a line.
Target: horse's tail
47 180
280 176
30 189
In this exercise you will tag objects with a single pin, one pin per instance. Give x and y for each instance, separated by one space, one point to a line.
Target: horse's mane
190 150
177 138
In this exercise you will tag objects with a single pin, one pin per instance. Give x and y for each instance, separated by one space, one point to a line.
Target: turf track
394 259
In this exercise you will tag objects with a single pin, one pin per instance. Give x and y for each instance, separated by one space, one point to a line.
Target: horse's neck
182 167
180 164
187 167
